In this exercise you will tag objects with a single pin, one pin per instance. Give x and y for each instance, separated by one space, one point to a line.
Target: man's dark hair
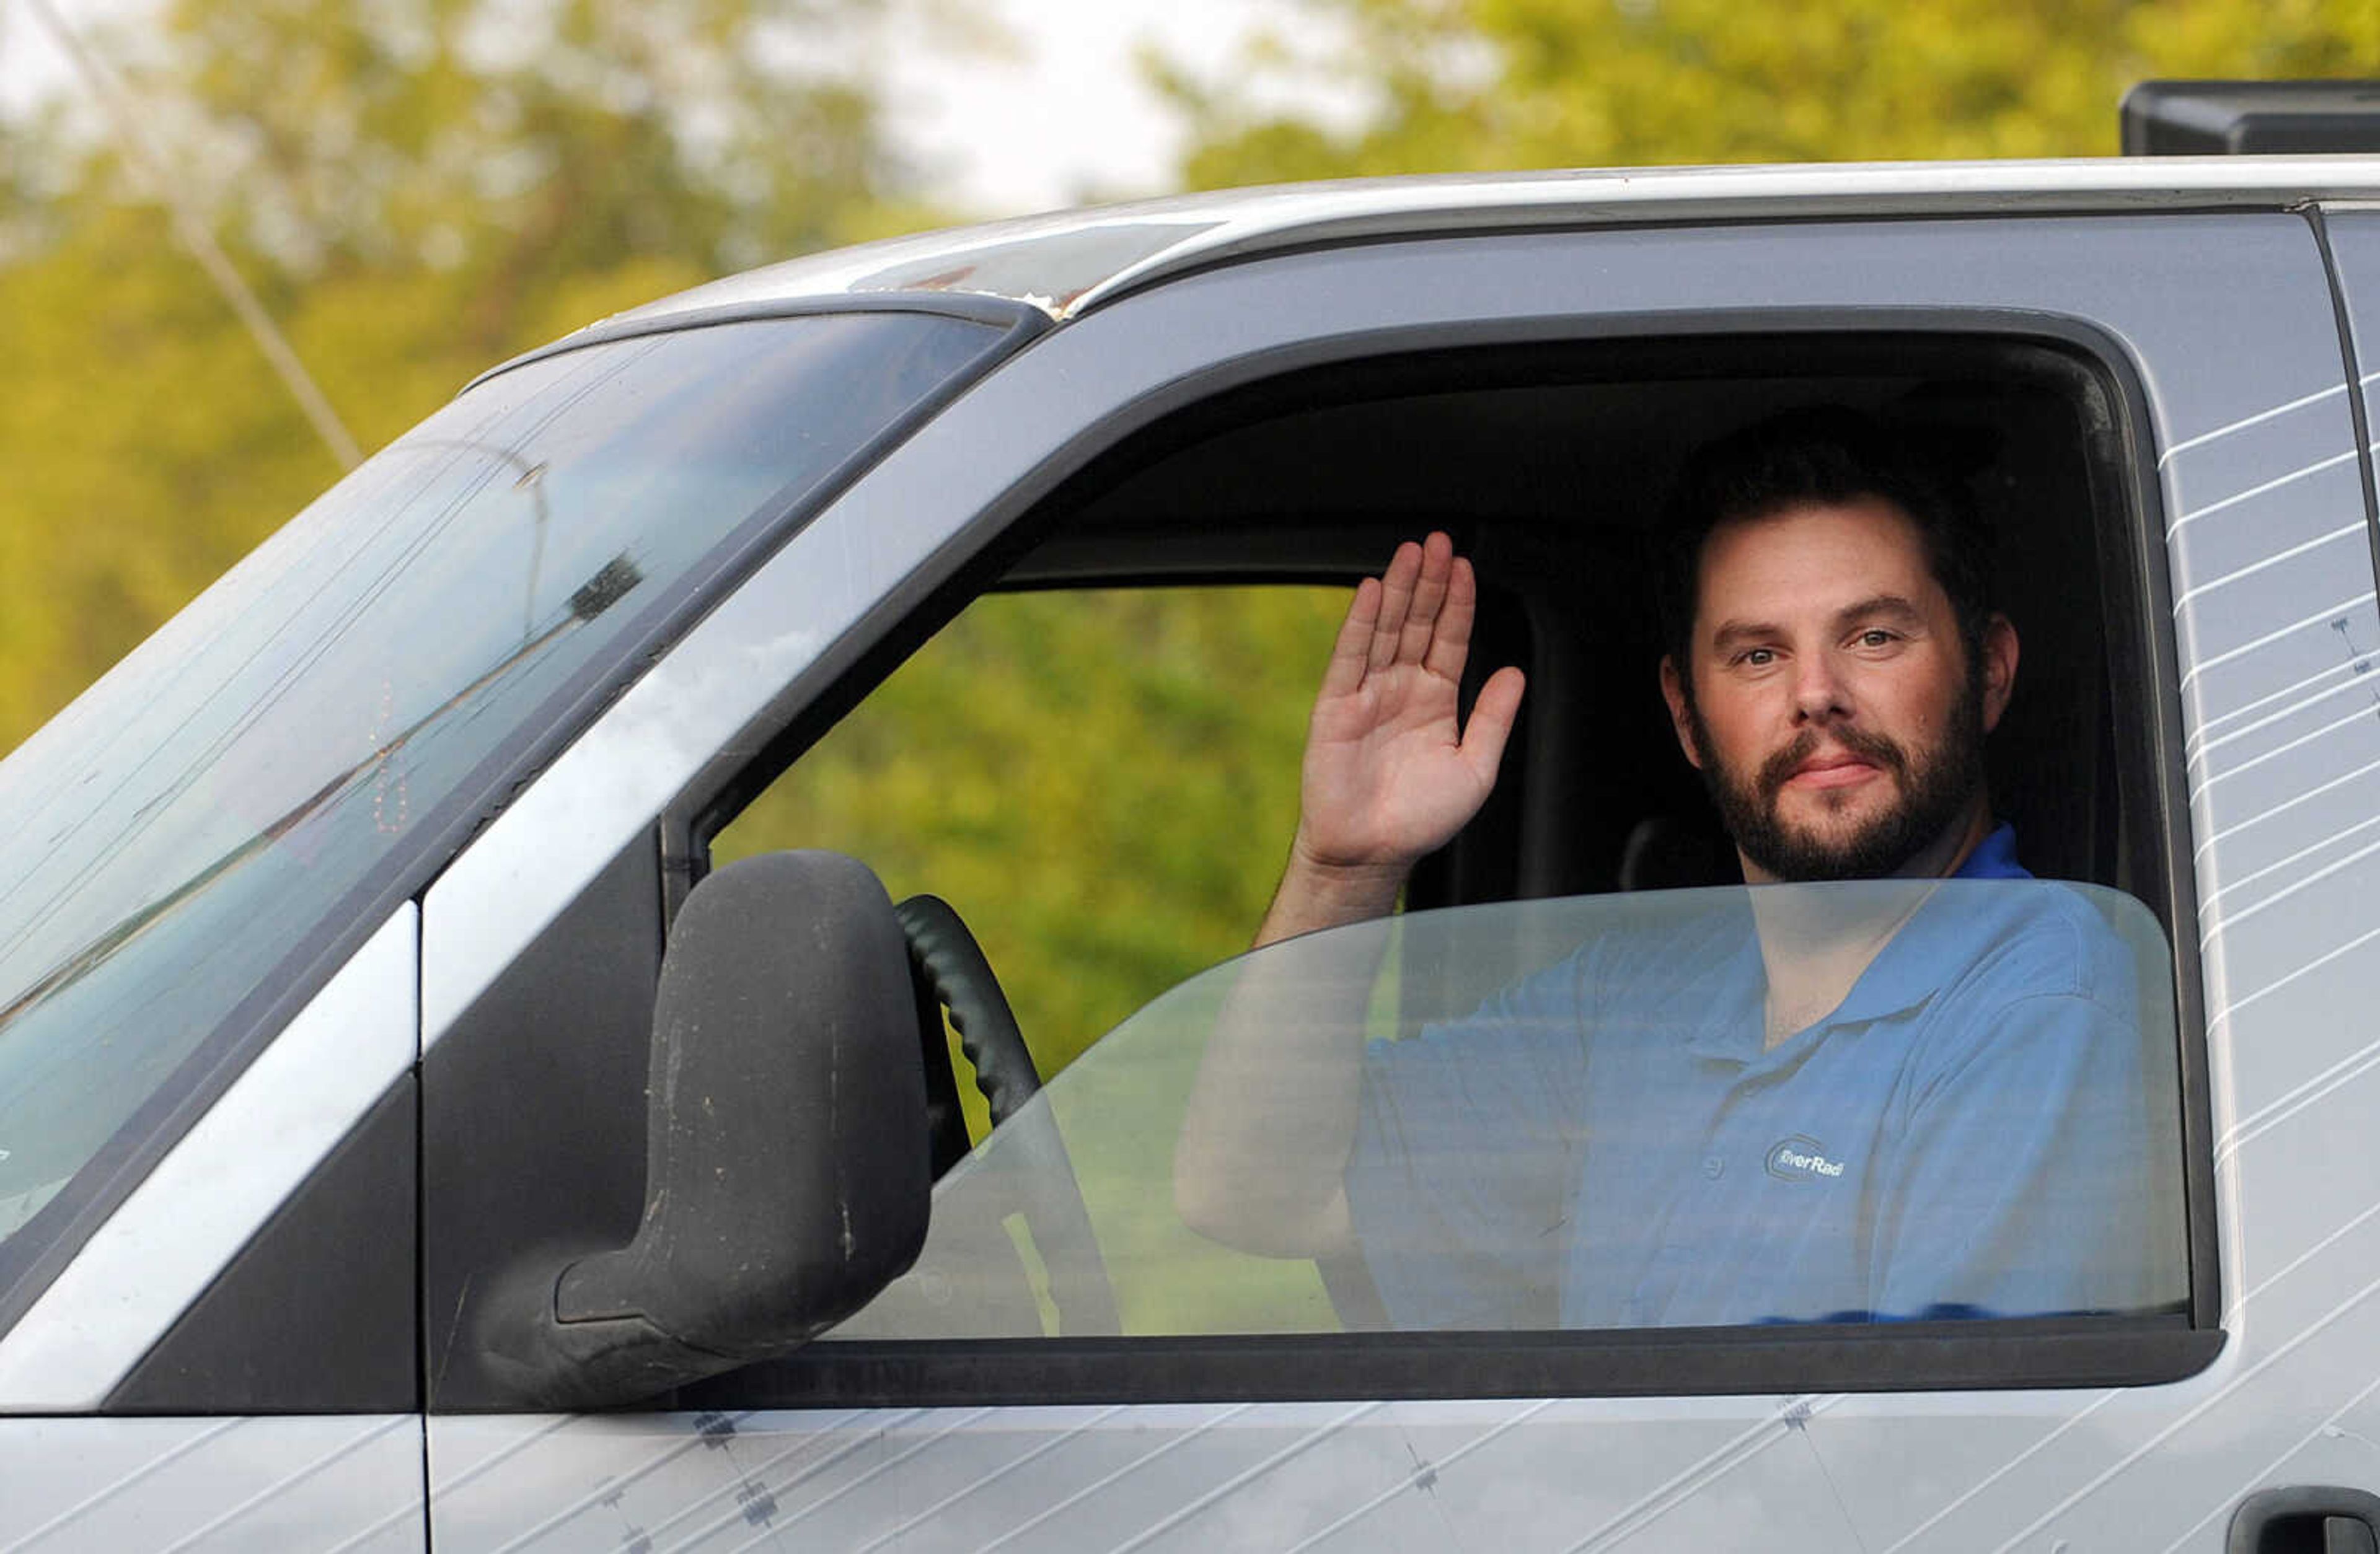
1820 453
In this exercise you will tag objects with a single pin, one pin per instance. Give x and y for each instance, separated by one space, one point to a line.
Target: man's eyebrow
1732 632
1890 605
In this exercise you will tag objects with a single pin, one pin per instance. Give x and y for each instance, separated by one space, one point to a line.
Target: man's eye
1874 637
1757 657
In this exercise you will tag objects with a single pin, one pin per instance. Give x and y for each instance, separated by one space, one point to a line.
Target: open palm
1390 773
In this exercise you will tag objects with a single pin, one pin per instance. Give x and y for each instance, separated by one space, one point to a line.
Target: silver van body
2227 303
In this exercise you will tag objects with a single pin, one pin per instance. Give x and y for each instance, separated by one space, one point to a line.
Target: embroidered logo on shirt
1801 1158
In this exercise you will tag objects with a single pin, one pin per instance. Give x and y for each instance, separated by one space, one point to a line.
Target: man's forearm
1262 1160
1262 1164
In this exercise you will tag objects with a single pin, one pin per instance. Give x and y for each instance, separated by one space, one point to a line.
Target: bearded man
1814 1100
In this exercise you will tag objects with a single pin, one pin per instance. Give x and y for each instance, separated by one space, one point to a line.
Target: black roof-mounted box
2204 118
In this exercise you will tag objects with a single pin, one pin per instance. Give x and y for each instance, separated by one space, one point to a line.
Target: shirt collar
1940 939
1732 999
1943 937
1994 858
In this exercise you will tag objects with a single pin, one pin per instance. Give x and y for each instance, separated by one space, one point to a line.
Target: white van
370 1177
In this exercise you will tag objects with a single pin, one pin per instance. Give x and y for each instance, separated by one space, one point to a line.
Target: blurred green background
1103 782
416 188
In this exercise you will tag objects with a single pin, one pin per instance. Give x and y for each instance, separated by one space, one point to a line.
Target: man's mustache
1874 748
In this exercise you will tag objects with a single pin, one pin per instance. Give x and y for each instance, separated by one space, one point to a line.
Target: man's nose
1818 691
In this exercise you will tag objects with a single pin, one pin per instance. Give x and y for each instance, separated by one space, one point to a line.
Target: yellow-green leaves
1466 85
415 189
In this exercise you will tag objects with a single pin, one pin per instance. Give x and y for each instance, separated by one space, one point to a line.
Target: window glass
1102 781
1576 1113
189 824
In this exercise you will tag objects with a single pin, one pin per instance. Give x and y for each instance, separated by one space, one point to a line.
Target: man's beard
1934 786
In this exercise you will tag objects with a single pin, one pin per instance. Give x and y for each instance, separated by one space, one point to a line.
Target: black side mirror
787 1175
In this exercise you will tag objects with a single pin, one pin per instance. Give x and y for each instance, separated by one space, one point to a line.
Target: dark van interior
1550 466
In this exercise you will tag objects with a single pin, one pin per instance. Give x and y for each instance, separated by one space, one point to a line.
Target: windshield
183 838
1597 1113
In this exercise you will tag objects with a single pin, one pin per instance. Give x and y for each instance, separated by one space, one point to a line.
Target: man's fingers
1429 594
1450 643
1352 649
1396 599
1491 720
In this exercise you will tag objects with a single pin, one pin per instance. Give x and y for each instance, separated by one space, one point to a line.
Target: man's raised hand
1389 772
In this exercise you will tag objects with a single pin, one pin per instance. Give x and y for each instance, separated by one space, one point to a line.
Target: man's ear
2000 668
1673 691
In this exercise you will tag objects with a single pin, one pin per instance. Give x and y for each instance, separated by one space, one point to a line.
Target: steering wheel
951 972
1032 1169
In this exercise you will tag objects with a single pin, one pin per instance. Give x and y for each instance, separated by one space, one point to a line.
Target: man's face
1833 714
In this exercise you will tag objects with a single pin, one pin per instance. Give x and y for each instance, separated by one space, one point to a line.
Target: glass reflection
1579 1114
223 798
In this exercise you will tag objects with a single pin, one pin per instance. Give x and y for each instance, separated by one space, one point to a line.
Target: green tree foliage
1103 782
1479 85
522 144
415 189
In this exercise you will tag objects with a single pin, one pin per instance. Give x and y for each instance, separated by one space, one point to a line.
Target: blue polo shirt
1977 1130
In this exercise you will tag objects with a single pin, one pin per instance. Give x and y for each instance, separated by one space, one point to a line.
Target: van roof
1067 263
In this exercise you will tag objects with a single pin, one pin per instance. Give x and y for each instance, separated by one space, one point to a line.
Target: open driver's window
1103 781
1548 1096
